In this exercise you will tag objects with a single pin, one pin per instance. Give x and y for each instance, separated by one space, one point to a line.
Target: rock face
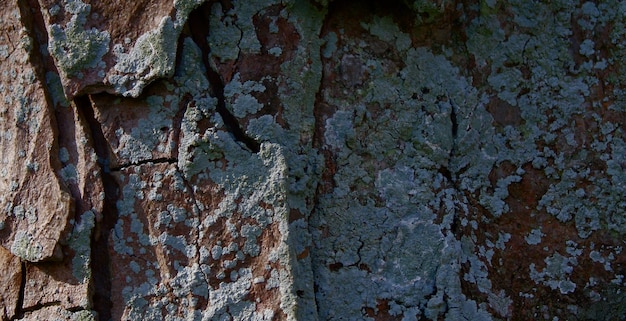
312 160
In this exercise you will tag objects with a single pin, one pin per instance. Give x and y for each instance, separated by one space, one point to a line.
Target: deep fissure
444 170
199 30
100 260
178 118
318 143
162 160
19 306
41 306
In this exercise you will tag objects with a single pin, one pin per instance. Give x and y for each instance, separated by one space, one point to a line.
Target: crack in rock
199 34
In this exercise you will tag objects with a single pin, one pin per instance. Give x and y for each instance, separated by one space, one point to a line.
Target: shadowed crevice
19 306
198 26
325 183
100 260
163 160
41 306
178 119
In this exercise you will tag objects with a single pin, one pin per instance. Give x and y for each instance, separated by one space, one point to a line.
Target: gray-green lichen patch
58 313
153 56
408 116
80 242
242 102
556 154
181 233
388 175
224 35
253 188
33 222
25 246
183 8
55 89
205 226
74 48
135 139
556 273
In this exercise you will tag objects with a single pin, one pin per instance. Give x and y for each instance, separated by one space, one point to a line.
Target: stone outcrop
312 160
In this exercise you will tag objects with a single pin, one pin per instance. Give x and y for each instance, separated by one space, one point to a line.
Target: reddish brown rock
314 160
133 138
94 49
58 313
36 208
10 280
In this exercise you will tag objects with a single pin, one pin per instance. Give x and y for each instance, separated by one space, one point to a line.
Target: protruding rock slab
60 314
67 283
34 207
140 130
10 282
94 48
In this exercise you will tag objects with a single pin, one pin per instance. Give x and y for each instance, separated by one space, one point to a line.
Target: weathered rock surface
11 272
312 160
35 206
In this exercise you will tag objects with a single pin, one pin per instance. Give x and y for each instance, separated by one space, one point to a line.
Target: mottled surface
35 207
323 160
11 272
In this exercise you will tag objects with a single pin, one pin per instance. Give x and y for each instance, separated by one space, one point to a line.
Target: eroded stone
334 160
34 206
93 47
10 280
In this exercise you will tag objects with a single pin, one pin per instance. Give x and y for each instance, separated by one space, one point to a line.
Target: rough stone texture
35 206
94 48
57 313
312 160
11 272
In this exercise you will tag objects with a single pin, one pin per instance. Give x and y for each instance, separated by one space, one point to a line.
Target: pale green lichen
556 273
386 122
534 237
224 34
55 88
428 11
83 315
241 98
80 242
385 29
59 313
147 140
392 139
152 56
183 8
26 247
74 48
247 180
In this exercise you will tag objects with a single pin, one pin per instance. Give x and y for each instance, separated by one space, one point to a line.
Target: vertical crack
453 176
324 180
19 306
454 130
199 29
177 123
100 259
61 121
455 126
